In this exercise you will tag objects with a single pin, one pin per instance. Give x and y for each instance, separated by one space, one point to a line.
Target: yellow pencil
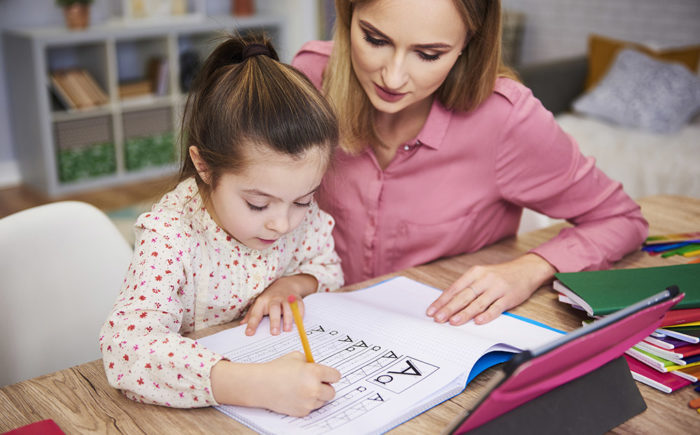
300 327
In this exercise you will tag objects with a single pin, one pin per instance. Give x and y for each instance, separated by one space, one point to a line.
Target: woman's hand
484 292
288 385
273 302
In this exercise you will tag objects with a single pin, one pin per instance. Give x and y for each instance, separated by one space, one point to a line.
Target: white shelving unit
111 53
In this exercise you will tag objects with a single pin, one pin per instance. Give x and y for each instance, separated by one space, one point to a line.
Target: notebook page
391 357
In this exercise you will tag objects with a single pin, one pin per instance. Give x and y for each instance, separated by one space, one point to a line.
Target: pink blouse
462 183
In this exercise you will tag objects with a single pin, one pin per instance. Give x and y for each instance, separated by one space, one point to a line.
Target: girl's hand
484 292
288 385
273 302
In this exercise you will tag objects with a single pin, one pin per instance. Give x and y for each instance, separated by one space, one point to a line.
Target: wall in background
302 26
553 29
559 28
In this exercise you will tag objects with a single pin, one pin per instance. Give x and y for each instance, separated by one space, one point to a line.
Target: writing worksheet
395 362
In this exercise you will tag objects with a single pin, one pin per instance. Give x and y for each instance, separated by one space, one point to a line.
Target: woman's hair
470 81
242 98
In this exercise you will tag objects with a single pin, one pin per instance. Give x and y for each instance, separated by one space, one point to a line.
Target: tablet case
572 378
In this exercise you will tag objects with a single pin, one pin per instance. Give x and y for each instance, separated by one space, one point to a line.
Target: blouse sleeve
143 352
316 254
312 59
540 167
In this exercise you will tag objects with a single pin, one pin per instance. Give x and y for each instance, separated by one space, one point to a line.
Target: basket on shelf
85 148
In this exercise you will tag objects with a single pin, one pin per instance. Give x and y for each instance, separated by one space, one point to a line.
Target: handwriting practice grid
372 374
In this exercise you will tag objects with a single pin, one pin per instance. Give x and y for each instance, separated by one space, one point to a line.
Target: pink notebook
533 373
666 382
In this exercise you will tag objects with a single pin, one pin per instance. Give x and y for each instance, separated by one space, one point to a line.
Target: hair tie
256 49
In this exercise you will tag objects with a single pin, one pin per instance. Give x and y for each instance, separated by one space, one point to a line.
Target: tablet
537 372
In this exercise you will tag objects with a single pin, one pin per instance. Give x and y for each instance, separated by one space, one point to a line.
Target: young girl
241 231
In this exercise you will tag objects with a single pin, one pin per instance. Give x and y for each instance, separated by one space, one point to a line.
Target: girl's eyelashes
256 207
263 207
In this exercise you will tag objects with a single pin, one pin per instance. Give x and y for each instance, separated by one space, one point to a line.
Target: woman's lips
388 96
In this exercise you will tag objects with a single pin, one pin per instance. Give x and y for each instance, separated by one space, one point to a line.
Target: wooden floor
14 199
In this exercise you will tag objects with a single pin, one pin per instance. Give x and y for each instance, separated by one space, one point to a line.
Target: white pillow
641 92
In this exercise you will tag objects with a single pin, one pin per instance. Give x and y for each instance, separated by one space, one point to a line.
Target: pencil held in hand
300 327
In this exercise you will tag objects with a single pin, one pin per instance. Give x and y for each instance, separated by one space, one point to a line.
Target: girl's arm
143 352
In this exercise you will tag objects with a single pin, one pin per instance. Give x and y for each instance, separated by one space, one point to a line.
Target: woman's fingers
436 308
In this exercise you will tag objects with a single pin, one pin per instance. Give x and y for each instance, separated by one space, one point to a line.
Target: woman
442 149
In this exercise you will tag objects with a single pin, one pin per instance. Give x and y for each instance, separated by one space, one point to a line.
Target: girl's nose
278 224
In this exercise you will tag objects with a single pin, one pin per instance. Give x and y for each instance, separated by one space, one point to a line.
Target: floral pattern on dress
186 274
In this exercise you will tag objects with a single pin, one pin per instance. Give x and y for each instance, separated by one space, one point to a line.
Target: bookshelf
132 135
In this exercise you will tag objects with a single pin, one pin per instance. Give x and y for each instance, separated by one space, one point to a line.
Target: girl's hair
243 97
470 81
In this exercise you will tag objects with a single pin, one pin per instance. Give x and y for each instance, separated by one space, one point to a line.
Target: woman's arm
540 167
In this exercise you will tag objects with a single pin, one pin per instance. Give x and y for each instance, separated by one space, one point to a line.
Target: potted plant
76 12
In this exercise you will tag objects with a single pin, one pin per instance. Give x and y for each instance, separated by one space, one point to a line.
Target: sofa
652 143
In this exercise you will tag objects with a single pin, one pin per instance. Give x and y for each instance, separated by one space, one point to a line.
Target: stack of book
77 89
667 360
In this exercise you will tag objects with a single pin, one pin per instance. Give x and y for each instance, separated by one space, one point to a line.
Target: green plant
66 3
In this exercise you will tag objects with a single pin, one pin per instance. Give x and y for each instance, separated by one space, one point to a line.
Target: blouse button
406 147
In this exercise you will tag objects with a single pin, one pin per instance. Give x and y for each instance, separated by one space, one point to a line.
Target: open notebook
394 360
579 382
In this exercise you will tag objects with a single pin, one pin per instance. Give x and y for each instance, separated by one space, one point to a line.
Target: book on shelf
97 95
157 73
136 88
61 94
602 292
395 361
77 89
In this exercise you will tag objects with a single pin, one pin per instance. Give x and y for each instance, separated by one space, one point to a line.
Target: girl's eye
256 207
429 57
374 41
303 204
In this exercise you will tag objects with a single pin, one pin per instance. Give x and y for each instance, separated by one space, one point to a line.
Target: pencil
300 327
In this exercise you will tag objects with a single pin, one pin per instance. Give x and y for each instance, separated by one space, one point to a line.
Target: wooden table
80 400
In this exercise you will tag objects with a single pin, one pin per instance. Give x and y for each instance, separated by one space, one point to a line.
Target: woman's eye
374 41
429 57
256 207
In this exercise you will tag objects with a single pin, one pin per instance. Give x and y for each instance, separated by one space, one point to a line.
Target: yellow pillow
602 52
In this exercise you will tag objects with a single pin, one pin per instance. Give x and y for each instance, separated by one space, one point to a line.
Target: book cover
395 361
602 292
666 382
61 92
97 95
677 317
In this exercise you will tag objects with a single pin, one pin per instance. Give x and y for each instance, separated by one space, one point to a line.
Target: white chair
61 268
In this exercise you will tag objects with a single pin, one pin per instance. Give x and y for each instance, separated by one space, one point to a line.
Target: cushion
602 52
645 93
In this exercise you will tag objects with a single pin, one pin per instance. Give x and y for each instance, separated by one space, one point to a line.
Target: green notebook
601 292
